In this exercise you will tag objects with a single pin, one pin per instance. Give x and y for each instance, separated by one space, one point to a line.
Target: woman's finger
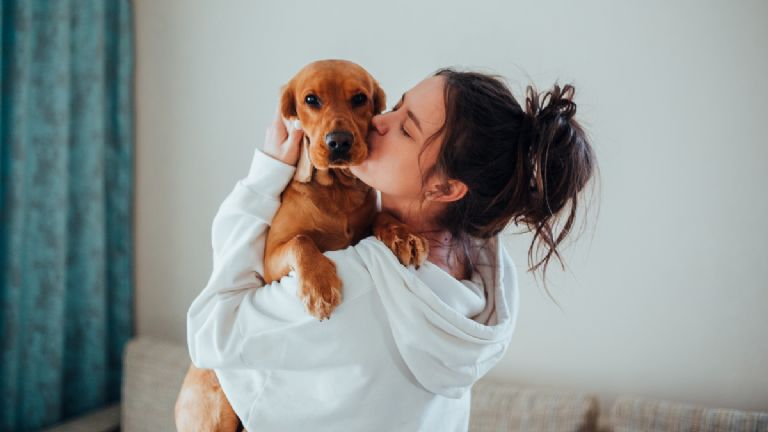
292 124
293 143
281 133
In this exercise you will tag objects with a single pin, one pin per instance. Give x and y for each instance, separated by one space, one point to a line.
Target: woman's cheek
363 171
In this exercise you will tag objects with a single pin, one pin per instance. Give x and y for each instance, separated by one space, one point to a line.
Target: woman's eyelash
404 132
402 129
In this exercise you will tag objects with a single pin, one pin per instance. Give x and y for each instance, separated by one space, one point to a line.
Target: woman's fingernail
297 124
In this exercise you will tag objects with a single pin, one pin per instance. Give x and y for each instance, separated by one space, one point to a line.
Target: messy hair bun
561 162
520 166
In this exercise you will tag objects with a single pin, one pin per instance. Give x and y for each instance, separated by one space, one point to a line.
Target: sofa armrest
153 371
102 420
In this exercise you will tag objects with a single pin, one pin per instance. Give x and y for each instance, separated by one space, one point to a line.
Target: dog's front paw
408 247
320 288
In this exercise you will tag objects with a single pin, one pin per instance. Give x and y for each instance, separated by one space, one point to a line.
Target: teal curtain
66 168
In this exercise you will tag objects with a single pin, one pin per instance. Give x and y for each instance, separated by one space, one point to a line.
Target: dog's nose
339 142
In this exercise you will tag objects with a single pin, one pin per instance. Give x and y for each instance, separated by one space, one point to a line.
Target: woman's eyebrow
412 115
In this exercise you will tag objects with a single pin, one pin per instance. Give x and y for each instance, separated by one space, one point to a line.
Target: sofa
153 371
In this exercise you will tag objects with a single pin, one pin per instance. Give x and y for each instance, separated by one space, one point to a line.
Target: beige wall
664 295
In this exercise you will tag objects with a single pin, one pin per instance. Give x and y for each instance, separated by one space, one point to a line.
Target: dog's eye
312 100
359 99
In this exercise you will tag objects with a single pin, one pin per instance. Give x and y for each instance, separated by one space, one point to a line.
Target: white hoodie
400 353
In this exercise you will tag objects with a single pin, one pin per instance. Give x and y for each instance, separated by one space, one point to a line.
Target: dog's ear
379 98
288 101
304 169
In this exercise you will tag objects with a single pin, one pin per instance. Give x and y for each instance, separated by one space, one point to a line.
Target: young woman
457 159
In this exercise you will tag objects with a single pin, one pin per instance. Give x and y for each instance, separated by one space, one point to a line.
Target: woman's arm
239 322
238 238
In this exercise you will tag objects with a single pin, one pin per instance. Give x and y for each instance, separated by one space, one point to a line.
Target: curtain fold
66 197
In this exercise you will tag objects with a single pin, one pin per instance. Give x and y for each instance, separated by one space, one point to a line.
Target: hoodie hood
448 332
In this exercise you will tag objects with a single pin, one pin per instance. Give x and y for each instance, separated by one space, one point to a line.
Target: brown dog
323 208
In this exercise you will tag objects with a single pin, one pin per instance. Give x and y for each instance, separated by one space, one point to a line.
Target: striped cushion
504 407
630 414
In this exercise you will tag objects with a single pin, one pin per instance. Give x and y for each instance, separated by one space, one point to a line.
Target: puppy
324 208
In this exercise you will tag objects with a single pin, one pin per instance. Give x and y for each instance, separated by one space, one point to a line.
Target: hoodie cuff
268 175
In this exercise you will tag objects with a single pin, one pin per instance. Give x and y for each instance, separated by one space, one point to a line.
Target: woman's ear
288 101
448 191
379 99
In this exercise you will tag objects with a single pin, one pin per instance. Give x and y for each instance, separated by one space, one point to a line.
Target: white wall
665 294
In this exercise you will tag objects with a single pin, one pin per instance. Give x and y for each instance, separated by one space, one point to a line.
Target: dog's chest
336 216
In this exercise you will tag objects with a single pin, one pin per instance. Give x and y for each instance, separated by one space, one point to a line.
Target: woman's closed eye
402 125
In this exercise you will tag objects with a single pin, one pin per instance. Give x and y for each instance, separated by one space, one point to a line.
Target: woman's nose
378 123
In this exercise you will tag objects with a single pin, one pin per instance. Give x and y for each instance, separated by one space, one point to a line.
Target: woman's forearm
238 238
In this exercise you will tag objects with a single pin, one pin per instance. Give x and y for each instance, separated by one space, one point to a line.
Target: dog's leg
408 247
319 285
202 406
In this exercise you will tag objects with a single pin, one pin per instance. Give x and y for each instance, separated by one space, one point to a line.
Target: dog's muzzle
339 143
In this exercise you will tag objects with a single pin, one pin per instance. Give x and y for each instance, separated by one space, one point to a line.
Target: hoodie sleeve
236 286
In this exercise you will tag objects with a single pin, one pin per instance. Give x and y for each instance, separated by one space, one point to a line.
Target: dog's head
334 100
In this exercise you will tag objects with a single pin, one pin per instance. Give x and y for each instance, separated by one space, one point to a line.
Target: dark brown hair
525 166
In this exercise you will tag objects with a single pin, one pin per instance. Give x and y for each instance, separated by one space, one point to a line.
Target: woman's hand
283 140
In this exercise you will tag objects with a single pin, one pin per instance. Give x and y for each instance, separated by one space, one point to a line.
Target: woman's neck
442 250
419 218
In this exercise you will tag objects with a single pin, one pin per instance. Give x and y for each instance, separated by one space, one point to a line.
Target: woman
457 159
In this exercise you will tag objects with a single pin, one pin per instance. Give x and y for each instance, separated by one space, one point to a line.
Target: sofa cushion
630 414
498 406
